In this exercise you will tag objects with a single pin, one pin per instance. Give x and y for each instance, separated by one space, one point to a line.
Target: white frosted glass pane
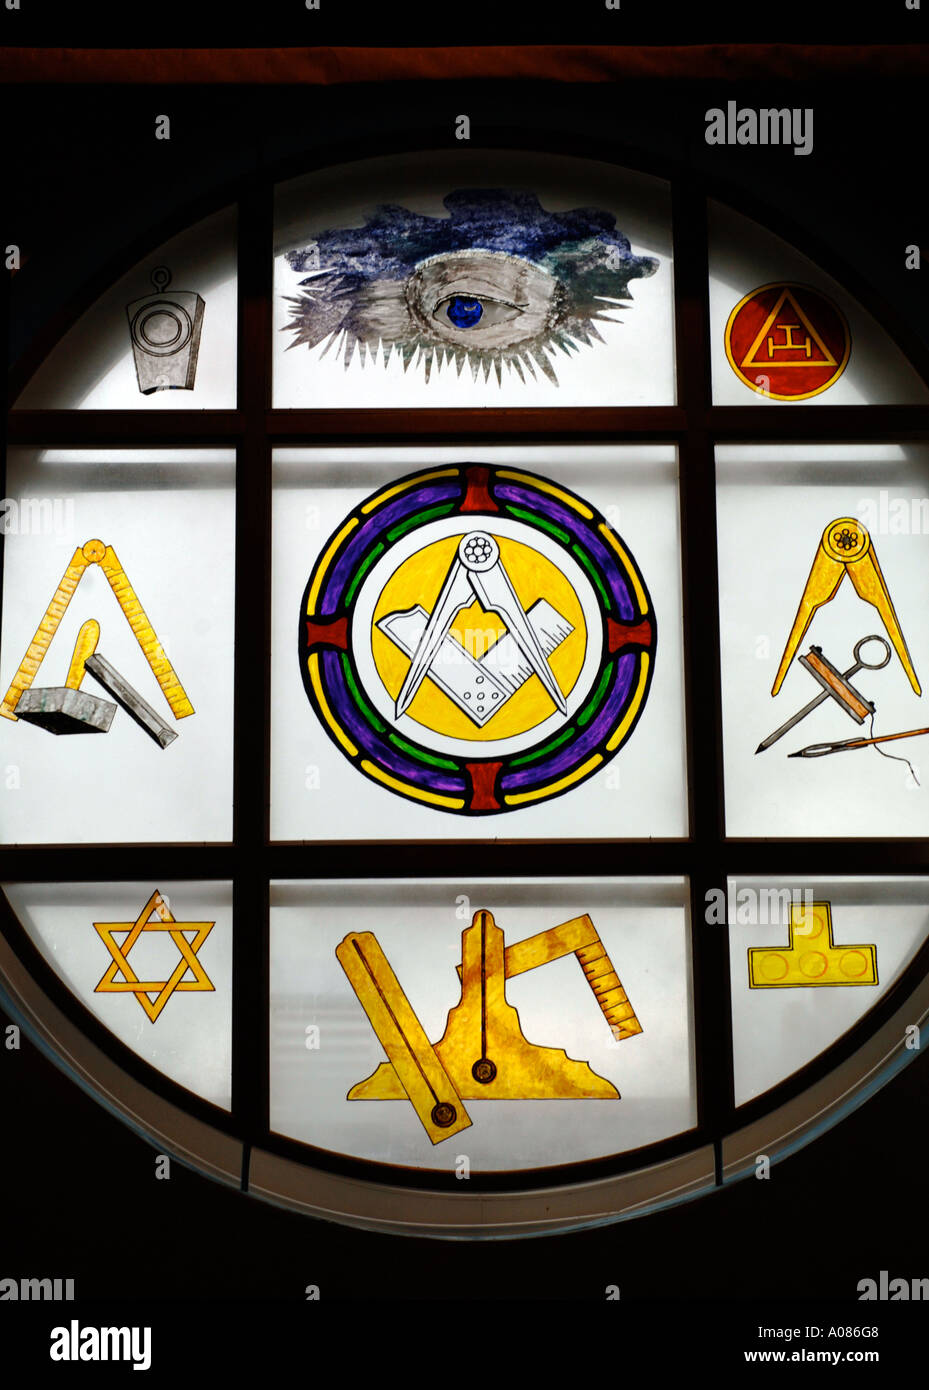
190 1037
744 258
529 247
774 503
778 1024
169 518
322 1043
318 791
94 365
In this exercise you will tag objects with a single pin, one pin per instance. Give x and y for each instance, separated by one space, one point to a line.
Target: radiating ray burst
499 283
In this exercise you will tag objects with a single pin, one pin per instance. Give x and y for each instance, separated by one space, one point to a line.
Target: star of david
163 989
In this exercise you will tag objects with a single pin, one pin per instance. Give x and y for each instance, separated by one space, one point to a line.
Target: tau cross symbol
805 346
788 304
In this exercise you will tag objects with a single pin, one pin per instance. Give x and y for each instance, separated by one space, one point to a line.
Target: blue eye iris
464 313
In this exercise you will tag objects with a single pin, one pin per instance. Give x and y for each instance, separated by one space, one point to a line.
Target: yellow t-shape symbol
790 346
811 956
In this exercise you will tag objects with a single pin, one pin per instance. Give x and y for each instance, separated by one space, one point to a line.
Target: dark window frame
251 862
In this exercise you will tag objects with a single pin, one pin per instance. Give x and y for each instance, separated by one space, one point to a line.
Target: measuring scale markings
67 709
501 670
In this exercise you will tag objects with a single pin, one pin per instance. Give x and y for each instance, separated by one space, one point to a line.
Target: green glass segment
545 749
419 520
421 756
367 711
590 709
362 570
585 561
541 522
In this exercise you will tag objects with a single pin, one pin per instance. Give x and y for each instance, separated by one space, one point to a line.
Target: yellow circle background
419 579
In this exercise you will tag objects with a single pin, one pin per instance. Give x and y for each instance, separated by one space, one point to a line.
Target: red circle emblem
787 341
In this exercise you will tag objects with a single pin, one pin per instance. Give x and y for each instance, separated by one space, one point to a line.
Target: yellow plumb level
811 956
483 1054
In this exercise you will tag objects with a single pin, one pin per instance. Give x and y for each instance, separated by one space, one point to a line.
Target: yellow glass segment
419 580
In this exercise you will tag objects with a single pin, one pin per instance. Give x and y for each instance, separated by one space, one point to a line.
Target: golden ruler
96 553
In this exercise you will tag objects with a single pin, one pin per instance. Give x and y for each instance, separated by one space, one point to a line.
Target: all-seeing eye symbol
500 281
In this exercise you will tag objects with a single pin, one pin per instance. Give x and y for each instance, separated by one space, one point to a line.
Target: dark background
85 183
390 23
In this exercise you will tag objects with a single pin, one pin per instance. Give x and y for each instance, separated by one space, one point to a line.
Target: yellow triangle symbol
96 553
770 325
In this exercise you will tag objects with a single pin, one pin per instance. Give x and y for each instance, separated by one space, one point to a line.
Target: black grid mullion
904 857
711 1004
250 1013
828 424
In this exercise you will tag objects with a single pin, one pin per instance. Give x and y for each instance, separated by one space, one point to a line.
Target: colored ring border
324 610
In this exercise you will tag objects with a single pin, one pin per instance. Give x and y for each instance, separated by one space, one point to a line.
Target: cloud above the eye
541 280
